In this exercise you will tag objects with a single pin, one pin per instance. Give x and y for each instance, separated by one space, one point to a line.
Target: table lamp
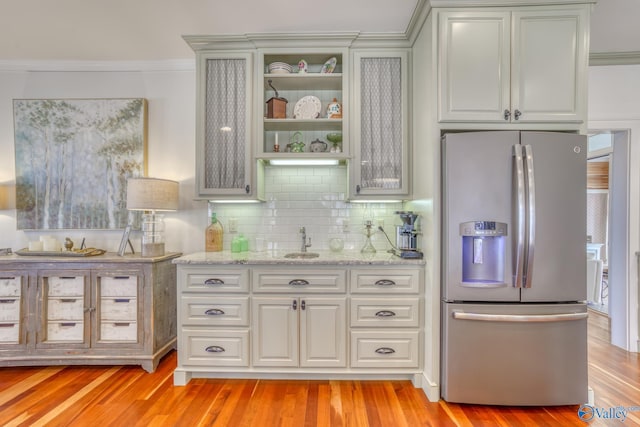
151 195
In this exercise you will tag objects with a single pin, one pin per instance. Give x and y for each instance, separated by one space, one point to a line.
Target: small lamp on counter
152 195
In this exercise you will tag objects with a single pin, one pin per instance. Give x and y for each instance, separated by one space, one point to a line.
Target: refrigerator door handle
518 215
531 216
540 318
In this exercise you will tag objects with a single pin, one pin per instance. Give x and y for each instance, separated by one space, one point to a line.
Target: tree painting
73 158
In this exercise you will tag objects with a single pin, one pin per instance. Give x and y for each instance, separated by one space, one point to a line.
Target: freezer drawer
510 354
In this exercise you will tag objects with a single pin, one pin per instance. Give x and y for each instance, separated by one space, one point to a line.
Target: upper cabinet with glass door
304 100
380 125
224 126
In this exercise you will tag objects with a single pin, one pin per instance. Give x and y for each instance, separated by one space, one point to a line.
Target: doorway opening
608 227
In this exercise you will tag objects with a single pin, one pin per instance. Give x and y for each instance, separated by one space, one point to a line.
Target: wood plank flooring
128 396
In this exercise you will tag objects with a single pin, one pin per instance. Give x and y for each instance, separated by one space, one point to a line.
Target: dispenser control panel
483 228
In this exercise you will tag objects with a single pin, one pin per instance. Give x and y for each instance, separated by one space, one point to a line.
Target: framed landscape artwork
73 158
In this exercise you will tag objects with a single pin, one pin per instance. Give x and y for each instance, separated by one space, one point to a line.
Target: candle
51 244
35 246
276 147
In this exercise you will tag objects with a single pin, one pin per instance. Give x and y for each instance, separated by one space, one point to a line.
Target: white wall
310 197
614 103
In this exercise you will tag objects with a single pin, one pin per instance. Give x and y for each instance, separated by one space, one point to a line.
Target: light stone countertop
277 258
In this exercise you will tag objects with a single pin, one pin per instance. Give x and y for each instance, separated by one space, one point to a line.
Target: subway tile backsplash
313 197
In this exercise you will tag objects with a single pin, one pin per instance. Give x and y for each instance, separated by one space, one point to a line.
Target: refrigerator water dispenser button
477 251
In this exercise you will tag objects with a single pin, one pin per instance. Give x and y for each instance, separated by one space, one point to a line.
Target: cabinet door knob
247 188
214 312
507 114
303 305
295 304
214 349
358 189
214 282
517 114
385 350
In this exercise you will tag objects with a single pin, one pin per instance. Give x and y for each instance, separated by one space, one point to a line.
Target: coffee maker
407 236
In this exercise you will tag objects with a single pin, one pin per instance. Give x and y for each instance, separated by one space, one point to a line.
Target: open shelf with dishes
303 107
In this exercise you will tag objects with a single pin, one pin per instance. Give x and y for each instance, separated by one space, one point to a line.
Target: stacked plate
279 68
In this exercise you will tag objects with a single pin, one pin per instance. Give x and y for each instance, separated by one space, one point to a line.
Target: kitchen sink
302 255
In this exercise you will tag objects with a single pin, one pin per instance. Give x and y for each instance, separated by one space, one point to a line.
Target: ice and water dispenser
483 253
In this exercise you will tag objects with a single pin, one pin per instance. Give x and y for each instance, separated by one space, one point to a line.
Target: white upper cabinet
515 65
380 124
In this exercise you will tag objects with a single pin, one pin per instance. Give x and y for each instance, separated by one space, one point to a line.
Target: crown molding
98 66
614 58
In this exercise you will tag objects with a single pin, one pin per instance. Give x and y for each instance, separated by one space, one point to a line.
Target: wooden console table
98 310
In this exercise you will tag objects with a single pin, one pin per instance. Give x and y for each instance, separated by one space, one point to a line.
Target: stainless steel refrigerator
514 315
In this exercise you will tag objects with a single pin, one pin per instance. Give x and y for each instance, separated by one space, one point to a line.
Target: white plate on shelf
307 107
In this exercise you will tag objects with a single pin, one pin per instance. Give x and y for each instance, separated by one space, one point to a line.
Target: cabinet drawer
215 311
216 281
389 312
71 308
119 331
385 281
385 349
118 286
214 348
65 286
9 309
301 282
65 331
10 286
122 308
9 332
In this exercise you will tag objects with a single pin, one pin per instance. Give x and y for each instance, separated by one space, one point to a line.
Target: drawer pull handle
385 350
7 278
68 300
68 324
7 325
214 349
120 277
299 282
121 300
214 312
385 313
121 324
7 301
385 282
67 278
214 282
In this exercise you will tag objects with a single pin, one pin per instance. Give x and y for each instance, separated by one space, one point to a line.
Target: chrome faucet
305 245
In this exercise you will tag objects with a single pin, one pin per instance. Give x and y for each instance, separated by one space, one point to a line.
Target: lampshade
152 194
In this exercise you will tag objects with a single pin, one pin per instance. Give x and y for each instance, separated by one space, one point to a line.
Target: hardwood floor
128 396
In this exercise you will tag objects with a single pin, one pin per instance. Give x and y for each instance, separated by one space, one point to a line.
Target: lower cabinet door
323 336
274 328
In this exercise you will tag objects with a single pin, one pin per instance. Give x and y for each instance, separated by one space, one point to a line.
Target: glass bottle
213 235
